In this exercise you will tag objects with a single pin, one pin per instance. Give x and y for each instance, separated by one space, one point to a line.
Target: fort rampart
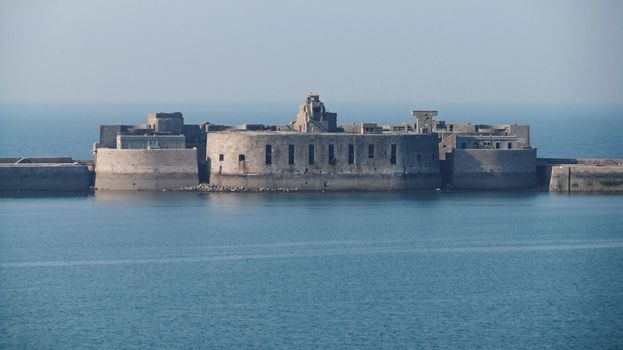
145 169
323 161
492 169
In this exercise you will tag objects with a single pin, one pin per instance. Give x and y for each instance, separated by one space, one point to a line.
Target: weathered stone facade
492 169
336 161
145 170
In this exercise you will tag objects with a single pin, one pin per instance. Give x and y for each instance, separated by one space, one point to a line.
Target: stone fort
313 152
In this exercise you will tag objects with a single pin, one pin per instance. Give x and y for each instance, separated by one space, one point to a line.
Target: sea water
308 270
311 270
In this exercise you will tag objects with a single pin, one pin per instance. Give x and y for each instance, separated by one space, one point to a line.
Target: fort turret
313 117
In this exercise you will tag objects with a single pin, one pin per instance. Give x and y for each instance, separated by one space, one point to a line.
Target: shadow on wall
490 169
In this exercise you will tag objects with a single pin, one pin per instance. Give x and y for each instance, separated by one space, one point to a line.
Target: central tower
313 117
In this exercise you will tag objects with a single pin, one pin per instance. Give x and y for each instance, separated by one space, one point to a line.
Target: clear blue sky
527 51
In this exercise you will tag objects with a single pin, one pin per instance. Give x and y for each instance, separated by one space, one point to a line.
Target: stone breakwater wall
68 177
38 159
312 162
492 169
145 170
586 177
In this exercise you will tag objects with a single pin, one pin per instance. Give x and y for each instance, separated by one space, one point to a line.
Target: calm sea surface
301 270
359 270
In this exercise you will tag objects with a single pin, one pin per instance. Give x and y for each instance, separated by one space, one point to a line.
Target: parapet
150 141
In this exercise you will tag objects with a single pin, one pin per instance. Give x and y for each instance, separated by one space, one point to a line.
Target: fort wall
140 169
339 161
44 177
492 169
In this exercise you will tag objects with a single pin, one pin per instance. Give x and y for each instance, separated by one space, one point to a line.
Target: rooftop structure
424 121
166 122
480 136
313 117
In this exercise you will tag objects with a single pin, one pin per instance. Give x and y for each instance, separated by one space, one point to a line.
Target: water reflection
227 199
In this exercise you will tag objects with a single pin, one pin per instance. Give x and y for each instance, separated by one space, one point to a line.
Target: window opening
311 156
393 154
290 154
351 154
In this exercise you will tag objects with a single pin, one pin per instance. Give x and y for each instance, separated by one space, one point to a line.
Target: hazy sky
528 51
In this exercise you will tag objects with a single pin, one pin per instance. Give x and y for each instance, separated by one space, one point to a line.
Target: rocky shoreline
204 187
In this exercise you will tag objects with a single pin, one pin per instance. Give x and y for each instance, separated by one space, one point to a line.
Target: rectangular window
392 158
221 157
497 145
311 156
351 154
510 145
331 154
269 154
290 154
370 151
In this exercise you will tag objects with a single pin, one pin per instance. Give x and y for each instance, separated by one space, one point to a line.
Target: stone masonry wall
146 170
417 165
492 169
44 177
586 178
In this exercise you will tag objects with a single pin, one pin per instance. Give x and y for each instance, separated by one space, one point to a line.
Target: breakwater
44 174
586 178
582 175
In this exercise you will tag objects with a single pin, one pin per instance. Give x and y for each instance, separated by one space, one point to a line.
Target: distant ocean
71 129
